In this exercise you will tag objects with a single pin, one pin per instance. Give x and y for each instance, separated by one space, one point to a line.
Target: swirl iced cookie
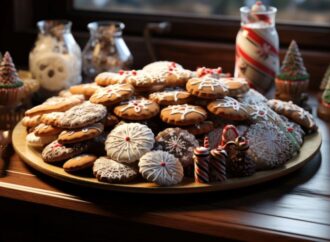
78 135
171 96
137 109
128 142
56 151
82 115
79 163
294 113
54 104
207 87
229 108
161 168
111 171
112 94
183 115
178 142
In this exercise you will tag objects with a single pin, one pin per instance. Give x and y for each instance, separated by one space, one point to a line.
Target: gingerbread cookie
207 87
142 81
269 146
183 115
79 163
82 115
229 108
112 94
46 130
52 118
171 73
178 142
31 121
56 151
137 109
161 168
54 104
294 113
110 120
236 86
38 141
78 135
86 89
128 142
171 96
200 128
111 171
214 73
108 78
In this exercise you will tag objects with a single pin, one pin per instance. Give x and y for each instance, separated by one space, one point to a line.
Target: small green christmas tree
325 79
8 74
293 68
326 92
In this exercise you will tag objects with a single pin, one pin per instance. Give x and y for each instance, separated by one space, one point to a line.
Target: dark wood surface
296 207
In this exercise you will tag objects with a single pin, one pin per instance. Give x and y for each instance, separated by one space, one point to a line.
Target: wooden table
38 208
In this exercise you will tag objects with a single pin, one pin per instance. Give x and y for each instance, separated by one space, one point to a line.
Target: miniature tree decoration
325 79
323 110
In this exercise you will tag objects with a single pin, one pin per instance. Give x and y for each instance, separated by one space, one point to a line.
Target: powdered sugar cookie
269 146
183 115
79 163
31 121
228 108
294 113
112 94
38 141
54 104
46 130
56 151
178 142
78 135
137 109
236 86
207 87
82 115
171 96
128 142
161 167
108 170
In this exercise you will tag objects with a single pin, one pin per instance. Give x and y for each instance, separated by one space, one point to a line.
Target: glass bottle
105 50
257 47
55 59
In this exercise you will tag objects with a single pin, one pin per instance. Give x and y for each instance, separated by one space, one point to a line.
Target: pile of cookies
146 124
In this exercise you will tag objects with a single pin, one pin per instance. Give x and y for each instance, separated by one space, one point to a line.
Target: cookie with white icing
54 104
161 168
236 86
82 134
128 142
137 109
178 142
183 115
82 115
38 141
112 94
56 151
108 78
207 87
51 118
142 80
108 170
294 113
171 96
229 108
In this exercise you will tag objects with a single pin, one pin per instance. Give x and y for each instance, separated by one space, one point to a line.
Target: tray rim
32 157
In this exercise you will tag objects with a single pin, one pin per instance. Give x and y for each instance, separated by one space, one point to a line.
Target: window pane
302 11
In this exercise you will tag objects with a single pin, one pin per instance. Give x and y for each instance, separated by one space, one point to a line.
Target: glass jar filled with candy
106 49
55 59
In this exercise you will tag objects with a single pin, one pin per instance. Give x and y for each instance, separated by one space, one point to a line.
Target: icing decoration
208 82
168 93
228 102
137 104
112 90
183 110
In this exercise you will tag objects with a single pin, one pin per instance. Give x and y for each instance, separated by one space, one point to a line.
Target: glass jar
105 50
55 59
257 47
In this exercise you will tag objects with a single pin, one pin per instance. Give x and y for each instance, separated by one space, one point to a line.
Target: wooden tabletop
296 207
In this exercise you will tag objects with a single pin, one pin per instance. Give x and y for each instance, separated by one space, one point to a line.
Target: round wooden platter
33 158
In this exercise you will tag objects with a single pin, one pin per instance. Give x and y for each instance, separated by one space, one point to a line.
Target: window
316 12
